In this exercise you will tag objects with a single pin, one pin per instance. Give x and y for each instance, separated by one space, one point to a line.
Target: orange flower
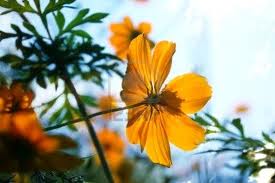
107 102
113 147
162 117
241 109
24 146
124 33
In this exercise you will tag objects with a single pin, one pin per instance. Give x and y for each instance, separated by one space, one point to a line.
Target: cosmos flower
124 33
107 102
162 116
241 109
24 146
113 147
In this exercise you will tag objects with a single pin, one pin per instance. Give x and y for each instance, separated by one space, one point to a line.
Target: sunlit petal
161 63
193 89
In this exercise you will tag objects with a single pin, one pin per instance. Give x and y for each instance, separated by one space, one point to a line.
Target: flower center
153 99
134 34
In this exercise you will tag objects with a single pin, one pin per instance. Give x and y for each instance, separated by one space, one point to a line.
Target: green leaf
88 100
201 121
60 20
31 28
81 33
213 119
47 108
37 4
56 6
78 20
56 116
5 35
5 12
16 28
96 17
41 81
27 5
13 5
12 60
267 138
237 123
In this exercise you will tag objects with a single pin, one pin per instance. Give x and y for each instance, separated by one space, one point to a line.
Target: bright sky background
231 42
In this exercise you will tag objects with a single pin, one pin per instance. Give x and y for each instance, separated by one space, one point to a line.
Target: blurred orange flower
113 147
241 109
124 33
24 146
162 117
107 102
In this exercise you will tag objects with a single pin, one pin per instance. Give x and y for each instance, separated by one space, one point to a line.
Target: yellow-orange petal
5 122
192 89
120 29
136 122
145 127
139 57
26 124
136 82
47 144
118 40
157 144
128 23
161 63
144 27
181 130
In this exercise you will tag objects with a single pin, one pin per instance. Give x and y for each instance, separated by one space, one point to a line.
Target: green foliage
232 137
44 58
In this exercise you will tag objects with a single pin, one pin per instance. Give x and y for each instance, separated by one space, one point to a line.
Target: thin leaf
237 123
267 138
31 28
96 17
60 20
81 33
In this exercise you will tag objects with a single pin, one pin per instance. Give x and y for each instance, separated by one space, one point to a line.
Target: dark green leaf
56 116
41 81
88 100
5 12
213 119
37 4
60 20
15 6
31 28
16 28
96 17
201 121
47 108
78 20
56 6
12 60
81 33
268 138
237 123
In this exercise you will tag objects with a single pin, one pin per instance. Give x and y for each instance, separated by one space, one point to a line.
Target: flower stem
90 116
89 126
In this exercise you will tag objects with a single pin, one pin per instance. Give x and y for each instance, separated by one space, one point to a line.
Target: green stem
90 116
44 20
90 128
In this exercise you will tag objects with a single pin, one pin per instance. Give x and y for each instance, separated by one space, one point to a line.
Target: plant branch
90 116
44 20
90 128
